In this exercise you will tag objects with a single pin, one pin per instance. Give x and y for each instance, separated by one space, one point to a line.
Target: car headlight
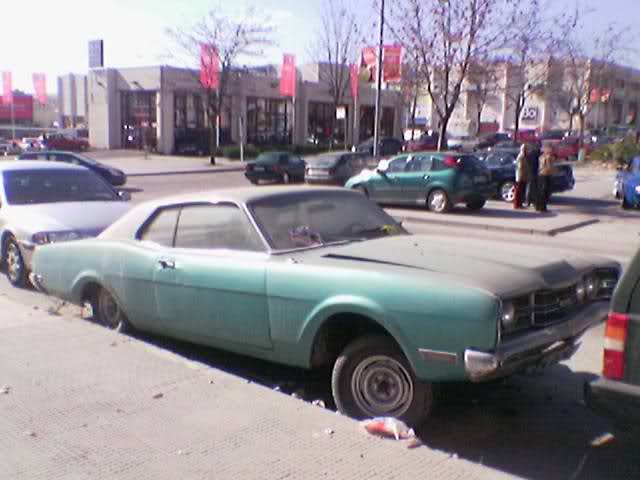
592 286
508 316
581 291
638 189
42 238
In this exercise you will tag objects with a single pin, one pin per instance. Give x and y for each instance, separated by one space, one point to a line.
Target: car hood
505 271
90 217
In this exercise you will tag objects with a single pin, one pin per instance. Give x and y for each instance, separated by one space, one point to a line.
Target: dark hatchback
386 146
112 175
616 395
335 168
282 167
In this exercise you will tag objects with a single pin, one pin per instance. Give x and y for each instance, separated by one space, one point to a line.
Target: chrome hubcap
109 310
438 202
14 263
508 192
381 386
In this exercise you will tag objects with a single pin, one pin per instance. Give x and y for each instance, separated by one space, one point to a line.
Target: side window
419 164
397 164
162 228
216 227
61 157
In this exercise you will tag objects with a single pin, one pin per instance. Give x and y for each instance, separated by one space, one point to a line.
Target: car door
296 167
212 286
385 187
416 178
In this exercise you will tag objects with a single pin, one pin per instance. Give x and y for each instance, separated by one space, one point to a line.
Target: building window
180 110
322 122
269 121
367 120
139 120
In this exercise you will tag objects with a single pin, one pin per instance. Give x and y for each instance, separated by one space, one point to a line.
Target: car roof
15 165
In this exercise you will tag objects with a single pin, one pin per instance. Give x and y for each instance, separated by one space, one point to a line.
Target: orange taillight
615 338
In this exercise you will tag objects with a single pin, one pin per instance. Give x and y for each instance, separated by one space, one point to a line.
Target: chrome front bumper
537 348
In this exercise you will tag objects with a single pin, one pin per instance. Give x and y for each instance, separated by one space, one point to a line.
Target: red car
63 142
567 148
424 143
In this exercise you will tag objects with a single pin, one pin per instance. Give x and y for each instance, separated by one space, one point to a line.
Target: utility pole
376 126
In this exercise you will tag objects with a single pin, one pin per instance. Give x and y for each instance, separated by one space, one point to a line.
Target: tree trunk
570 122
442 135
517 124
414 108
580 130
478 120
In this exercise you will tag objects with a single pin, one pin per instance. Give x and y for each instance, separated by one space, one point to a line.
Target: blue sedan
627 186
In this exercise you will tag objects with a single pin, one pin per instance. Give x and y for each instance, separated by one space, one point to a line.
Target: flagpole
13 121
376 126
293 123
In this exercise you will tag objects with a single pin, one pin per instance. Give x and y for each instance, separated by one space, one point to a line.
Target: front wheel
362 190
14 263
623 203
507 191
372 378
438 201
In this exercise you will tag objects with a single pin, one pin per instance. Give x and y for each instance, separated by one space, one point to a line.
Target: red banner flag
209 67
7 88
288 76
40 87
392 63
355 81
368 64
594 96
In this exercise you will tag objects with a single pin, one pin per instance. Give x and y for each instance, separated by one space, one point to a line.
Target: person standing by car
533 162
522 176
547 160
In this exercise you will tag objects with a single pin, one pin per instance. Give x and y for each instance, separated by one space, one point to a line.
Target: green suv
436 180
616 395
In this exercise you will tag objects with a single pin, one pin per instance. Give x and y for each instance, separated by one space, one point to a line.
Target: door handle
167 264
427 177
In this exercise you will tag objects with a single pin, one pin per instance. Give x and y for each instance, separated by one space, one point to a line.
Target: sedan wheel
16 269
362 190
372 378
107 311
508 191
438 201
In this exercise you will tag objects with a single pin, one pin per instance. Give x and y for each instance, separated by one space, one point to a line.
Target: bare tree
335 47
482 84
410 87
233 39
448 36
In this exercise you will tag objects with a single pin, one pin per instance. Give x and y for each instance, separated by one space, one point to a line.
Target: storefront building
156 107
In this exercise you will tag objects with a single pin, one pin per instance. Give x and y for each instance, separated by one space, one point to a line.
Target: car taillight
615 338
450 162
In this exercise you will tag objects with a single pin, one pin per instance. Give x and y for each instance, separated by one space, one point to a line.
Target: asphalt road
530 426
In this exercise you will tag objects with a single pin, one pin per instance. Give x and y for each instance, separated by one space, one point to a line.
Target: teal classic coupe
316 277
432 179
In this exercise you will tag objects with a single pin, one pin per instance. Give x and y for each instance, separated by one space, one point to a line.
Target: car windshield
88 160
25 187
268 158
324 161
313 219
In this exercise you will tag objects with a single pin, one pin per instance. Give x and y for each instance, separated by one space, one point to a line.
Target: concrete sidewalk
80 402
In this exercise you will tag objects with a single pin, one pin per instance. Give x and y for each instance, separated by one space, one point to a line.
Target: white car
45 202
30 144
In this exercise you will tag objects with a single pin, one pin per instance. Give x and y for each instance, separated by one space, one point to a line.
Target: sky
53 37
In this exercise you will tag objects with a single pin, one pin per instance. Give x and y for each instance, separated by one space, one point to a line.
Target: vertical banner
392 63
368 64
355 80
288 76
7 88
40 87
209 67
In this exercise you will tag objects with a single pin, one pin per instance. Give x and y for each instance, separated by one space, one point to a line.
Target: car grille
552 306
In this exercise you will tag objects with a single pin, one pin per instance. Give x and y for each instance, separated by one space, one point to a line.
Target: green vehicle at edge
437 180
323 277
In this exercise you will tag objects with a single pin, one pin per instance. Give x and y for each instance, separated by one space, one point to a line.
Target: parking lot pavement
79 401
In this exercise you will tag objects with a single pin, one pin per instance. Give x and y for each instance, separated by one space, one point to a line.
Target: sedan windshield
24 187
303 220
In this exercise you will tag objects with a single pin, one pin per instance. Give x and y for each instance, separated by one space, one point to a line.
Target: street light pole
376 126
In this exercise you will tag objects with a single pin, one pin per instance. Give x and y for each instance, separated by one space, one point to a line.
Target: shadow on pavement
534 427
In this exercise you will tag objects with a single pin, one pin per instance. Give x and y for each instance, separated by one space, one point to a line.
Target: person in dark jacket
533 159
545 172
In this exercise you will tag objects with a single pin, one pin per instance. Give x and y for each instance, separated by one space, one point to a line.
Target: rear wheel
438 201
507 191
476 204
372 378
362 190
106 311
16 269
623 203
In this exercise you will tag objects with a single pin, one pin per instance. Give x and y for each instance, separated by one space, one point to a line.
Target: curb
187 172
497 228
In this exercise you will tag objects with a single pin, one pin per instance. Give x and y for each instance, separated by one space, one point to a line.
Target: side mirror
383 166
124 195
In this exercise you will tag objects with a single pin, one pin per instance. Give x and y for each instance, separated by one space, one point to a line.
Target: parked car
427 141
502 164
114 176
553 135
45 202
435 180
568 148
461 142
30 144
490 139
616 395
627 184
325 278
9 149
57 141
386 146
335 168
281 167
